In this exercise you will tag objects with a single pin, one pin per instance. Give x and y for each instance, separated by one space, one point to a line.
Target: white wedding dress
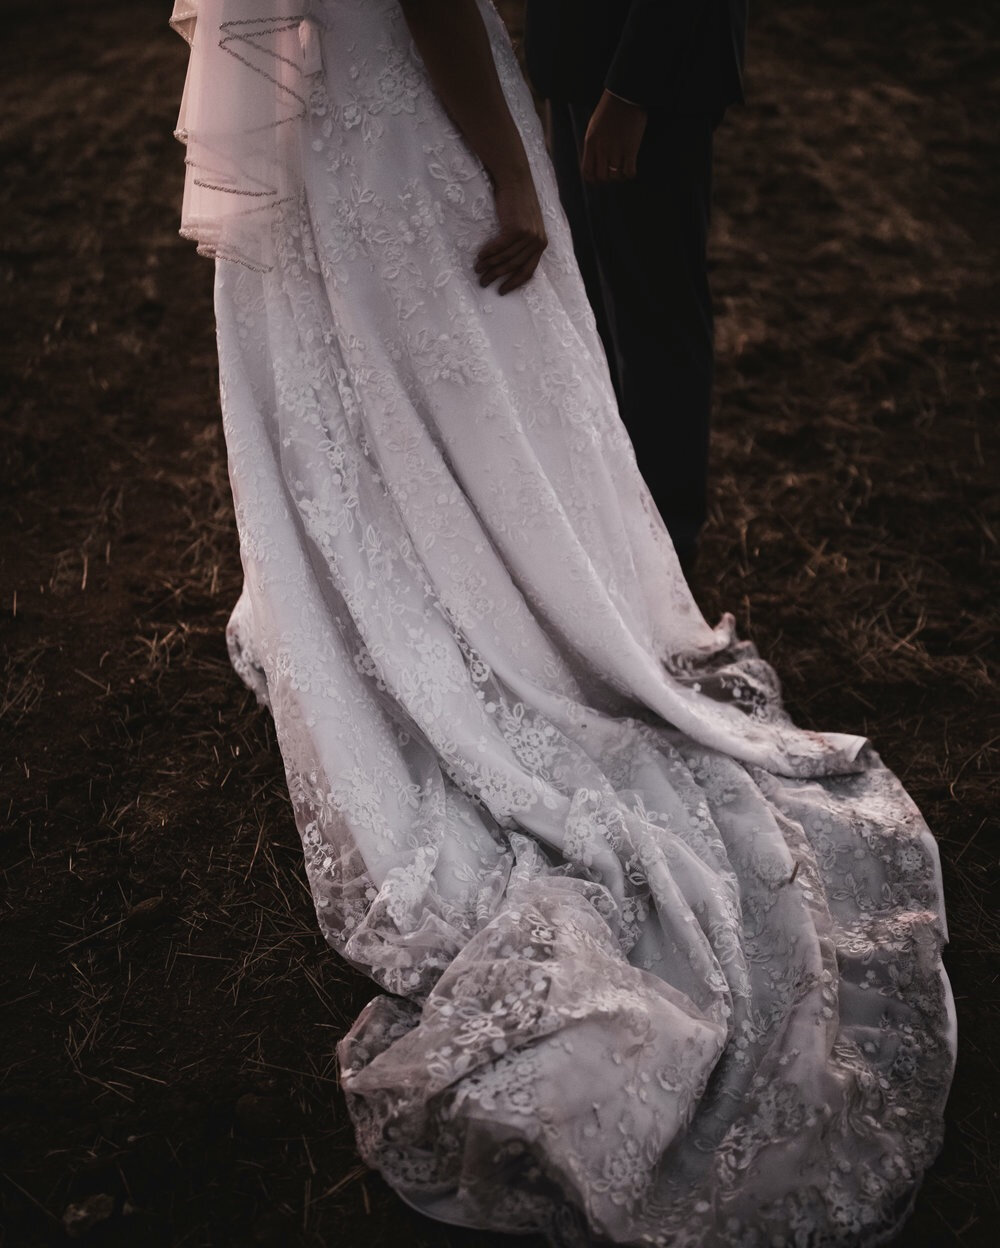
659 966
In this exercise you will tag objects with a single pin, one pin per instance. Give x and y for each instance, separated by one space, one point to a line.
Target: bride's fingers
520 275
501 250
492 249
516 281
509 238
508 263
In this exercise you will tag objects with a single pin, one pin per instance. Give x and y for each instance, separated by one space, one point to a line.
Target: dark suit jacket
682 56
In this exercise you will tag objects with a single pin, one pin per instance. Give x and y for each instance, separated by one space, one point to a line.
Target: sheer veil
244 97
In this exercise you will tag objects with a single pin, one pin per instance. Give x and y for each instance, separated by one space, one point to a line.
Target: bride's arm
451 39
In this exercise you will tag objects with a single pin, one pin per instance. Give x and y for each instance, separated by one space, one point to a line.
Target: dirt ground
169 1009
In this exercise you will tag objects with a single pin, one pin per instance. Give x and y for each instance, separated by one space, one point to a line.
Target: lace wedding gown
660 967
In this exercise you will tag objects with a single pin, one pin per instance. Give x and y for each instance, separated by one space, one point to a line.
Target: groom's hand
611 145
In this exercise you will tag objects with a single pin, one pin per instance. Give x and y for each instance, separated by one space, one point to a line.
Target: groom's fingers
617 167
588 163
603 166
604 162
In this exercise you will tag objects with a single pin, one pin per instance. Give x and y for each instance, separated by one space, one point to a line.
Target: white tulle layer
245 97
664 968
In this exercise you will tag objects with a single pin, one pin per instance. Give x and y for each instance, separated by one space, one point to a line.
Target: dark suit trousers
641 247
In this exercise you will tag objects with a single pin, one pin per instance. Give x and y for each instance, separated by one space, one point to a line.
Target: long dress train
659 966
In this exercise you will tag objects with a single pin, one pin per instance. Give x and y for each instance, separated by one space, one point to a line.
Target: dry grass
170 1010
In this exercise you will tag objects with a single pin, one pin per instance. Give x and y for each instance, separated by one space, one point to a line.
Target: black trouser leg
643 244
566 159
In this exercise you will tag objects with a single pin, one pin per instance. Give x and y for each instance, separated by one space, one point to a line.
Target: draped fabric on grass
659 966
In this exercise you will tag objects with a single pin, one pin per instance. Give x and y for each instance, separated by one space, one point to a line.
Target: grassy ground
170 1012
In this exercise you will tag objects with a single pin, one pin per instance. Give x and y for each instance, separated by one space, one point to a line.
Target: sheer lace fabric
661 967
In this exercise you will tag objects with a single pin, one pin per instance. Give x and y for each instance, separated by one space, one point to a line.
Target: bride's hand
452 40
514 252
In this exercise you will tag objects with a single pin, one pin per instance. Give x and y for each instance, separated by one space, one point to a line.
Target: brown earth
170 1012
